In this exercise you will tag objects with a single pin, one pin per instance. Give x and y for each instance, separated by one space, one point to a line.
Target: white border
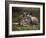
25 32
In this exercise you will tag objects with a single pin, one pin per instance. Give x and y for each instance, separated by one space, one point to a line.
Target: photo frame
14 10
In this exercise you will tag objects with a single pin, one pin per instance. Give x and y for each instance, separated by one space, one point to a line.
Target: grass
25 27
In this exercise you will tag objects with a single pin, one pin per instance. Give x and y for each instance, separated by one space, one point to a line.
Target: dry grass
25 27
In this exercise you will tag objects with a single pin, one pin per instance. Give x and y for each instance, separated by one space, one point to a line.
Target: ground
25 27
